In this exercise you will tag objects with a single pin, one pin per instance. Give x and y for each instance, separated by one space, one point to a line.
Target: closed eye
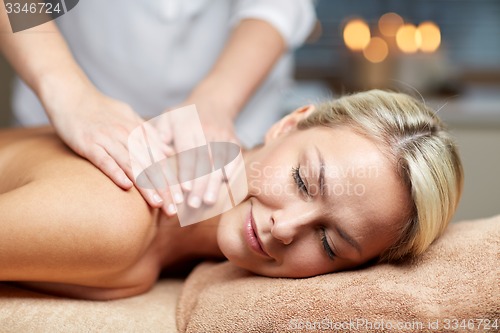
326 245
299 181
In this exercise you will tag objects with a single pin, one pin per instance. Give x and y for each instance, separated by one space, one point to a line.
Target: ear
289 122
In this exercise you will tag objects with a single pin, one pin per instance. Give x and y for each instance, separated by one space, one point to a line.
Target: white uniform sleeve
294 19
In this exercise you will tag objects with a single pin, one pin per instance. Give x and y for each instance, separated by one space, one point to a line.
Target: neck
196 241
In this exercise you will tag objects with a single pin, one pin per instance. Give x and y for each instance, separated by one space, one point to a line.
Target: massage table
453 287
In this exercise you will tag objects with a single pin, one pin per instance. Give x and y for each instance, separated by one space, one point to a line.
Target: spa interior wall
463 74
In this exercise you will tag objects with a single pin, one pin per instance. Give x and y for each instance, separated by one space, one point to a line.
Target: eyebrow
321 176
348 239
321 181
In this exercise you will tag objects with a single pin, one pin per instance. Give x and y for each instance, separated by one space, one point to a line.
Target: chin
245 264
231 241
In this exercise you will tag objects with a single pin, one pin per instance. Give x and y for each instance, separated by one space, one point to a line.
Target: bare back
66 227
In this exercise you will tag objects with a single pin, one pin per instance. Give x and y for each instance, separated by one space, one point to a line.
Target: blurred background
446 50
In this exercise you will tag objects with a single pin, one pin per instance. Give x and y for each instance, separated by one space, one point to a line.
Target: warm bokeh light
377 50
431 36
408 38
389 24
356 34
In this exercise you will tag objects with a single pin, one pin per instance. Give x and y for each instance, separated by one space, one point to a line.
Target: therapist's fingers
108 165
151 182
105 153
186 166
155 177
202 173
101 129
164 127
213 187
223 149
161 129
101 157
118 174
218 160
190 159
169 170
152 174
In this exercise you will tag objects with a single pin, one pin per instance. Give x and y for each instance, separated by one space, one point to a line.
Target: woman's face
320 200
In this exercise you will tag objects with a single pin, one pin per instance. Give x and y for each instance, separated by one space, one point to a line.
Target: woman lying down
390 182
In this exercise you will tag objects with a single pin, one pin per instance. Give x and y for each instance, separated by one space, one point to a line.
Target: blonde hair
425 157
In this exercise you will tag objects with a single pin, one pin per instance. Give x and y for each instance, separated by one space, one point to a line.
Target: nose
287 228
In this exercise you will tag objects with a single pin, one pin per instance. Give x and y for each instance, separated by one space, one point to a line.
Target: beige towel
24 311
453 287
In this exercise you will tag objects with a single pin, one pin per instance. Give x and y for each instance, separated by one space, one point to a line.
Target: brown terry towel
453 287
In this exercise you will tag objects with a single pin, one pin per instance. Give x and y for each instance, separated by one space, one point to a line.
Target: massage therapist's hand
97 128
217 124
248 57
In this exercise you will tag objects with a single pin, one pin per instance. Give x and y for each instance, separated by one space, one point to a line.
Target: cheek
300 262
228 237
271 167
271 183
307 261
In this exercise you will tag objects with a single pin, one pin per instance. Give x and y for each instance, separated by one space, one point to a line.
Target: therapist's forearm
251 52
42 59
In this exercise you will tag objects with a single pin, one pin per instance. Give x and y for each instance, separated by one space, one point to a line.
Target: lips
252 236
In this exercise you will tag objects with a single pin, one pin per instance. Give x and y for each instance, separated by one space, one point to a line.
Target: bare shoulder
39 156
96 232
